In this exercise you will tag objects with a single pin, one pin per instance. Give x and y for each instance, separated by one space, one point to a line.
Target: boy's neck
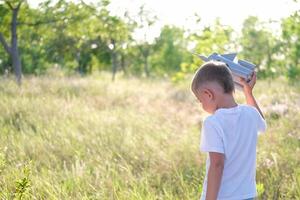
227 101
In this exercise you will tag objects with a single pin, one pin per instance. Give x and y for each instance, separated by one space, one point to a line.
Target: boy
229 134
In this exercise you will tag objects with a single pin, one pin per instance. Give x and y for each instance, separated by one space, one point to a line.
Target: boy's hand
248 86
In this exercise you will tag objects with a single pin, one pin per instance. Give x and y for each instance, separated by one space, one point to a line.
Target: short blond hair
213 71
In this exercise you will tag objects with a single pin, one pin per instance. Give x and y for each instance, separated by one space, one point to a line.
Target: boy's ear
209 93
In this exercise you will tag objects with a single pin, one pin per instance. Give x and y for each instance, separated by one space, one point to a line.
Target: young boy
229 134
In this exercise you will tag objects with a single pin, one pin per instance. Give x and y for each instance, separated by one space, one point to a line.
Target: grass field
90 138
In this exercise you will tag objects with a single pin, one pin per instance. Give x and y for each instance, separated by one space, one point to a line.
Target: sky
181 12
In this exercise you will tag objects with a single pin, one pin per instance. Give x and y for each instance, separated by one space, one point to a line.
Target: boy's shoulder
211 120
248 108
240 108
219 118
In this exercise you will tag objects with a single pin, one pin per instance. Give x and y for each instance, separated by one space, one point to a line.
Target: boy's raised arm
247 88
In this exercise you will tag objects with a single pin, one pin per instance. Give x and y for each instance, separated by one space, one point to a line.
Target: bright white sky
181 12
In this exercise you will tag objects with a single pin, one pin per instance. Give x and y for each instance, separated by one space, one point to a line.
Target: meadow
132 139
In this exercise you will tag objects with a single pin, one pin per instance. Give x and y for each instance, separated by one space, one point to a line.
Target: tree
112 31
170 50
291 44
145 20
215 38
68 43
259 45
12 49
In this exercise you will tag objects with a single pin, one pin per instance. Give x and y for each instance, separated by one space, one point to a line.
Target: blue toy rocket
238 68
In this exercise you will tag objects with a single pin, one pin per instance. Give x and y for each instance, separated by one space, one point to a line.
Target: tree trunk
123 64
114 64
146 66
114 60
79 66
16 61
13 50
145 52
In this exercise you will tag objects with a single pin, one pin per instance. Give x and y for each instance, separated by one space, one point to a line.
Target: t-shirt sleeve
261 122
211 137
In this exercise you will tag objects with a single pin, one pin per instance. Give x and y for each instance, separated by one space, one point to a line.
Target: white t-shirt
233 132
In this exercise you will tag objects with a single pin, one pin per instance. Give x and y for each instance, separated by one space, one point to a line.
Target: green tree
68 43
112 31
12 49
291 47
215 38
5 61
259 45
170 50
144 22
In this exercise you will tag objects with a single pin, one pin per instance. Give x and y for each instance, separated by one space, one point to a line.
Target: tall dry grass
90 138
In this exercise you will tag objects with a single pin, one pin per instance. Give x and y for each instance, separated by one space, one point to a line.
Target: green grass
90 138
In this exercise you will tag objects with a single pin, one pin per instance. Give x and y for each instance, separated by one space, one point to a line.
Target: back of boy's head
213 72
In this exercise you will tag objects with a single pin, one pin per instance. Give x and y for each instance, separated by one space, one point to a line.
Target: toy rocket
238 68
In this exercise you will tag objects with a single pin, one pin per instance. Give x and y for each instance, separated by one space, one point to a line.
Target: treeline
84 37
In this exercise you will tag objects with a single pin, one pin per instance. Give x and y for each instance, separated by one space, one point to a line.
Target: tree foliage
83 37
